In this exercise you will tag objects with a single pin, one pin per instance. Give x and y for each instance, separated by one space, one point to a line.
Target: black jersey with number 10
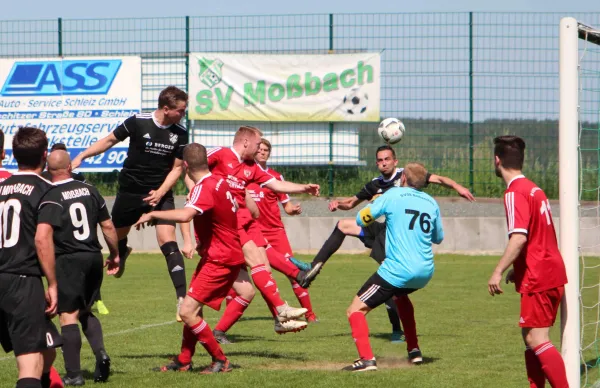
152 152
74 209
20 197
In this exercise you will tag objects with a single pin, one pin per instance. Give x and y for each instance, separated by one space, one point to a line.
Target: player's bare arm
451 184
112 241
44 245
97 148
344 204
292 209
516 243
290 187
155 196
252 206
178 215
188 241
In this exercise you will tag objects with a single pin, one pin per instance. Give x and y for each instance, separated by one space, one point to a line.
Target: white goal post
571 31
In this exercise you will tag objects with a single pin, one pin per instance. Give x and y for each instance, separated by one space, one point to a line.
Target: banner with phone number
76 101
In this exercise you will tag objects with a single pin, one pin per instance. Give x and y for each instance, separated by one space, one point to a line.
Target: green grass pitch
468 338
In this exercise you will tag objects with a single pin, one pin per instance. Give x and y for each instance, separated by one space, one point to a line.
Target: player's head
58 146
509 153
172 101
414 175
194 158
246 141
264 151
59 163
2 152
386 160
30 147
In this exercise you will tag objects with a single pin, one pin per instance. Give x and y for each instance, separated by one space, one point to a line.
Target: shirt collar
236 154
64 181
203 178
514 179
157 123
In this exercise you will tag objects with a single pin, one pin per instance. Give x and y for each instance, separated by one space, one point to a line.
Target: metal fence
455 79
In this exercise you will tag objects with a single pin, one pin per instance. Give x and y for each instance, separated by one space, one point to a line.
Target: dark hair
511 151
194 155
58 146
169 97
29 146
1 140
385 148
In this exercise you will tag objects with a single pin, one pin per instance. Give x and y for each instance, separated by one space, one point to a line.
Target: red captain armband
366 216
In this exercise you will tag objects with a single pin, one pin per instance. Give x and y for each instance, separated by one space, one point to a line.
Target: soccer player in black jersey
153 166
24 305
373 236
69 215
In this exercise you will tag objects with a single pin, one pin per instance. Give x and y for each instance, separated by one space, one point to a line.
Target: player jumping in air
213 209
69 215
373 236
413 224
538 269
238 167
152 168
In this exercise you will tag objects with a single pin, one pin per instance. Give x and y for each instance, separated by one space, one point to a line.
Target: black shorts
376 291
128 208
79 279
372 232
24 326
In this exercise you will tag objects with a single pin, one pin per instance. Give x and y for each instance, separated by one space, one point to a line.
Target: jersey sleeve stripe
517 230
195 207
49 202
267 182
286 200
212 151
125 126
195 194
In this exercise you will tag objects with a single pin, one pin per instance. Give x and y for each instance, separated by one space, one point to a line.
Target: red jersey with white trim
268 202
539 266
216 224
226 163
4 175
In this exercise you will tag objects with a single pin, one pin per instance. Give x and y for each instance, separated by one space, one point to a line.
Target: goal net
579 190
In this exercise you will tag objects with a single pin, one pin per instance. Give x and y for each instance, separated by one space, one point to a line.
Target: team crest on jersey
247 173
173 137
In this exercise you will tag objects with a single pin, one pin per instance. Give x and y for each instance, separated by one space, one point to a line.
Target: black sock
29 383
99 296
331 246
122 248
92 329
392 311
71 349
176 267
45 382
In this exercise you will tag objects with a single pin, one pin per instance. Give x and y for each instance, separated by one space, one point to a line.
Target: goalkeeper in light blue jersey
413 224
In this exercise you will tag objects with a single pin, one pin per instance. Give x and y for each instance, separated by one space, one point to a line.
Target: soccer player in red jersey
213 208
3 173
538 268
238 167
279 250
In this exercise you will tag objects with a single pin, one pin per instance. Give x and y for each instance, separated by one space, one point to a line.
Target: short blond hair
245 132
416 175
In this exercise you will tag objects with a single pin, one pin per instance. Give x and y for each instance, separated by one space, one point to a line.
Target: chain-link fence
455 79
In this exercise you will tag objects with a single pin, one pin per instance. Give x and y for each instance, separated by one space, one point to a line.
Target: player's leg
406 312
30 367
538 313
126 210
71 348
49 355
100 306
243 293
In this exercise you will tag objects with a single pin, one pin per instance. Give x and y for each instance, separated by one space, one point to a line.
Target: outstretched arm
450 184
290 187
155 196
97 148
178 215
292 209
344 204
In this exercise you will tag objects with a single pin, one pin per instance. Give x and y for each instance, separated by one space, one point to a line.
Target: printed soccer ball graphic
355 103
391 130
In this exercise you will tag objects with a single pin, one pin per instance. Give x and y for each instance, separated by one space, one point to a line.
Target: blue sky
43 9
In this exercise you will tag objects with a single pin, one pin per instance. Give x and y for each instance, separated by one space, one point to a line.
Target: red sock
535 374
360 333
205 336
55 380
234 311
230 297
552 365
406 312
188 345
281 263
263 280
303 296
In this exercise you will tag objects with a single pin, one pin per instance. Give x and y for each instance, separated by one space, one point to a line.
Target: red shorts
251 232
211 282
278 240
539 309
